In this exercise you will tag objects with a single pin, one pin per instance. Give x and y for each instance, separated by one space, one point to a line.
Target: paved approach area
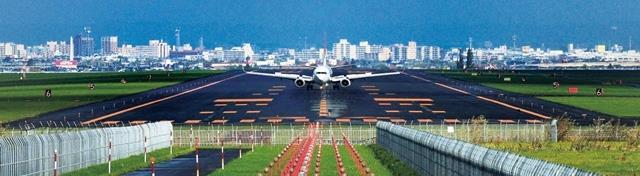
185 165
235 97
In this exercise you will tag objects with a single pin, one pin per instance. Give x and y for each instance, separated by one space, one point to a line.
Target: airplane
322 77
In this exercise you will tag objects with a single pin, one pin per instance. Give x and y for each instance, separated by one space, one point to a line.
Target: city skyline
292 24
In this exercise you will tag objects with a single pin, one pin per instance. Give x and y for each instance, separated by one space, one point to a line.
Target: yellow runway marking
219 121
262 104
253 112
206 112
279 87
192 121
110 122
230 112
438 112
384 104
243 100
426 104
415 111
220 105
485 99
406 104
158 100
247 120
392 111
404 99
241 104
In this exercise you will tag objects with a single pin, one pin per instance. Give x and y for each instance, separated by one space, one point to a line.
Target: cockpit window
321 73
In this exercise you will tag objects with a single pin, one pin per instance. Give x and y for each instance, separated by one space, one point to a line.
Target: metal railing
431 154
56 153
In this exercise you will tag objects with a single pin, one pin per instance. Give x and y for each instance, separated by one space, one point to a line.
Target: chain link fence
56 153
431 154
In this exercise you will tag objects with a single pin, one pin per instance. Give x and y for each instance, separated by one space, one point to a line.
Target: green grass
395 166
348 162
312 165
611 158
621 100
375 165
251 163
24 98
328 164
132 163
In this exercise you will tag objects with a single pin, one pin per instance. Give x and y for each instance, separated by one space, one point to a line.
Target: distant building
398 53
308 54
342 50
155 49
411 50
83 43
12 50
362 49
600 49
109 45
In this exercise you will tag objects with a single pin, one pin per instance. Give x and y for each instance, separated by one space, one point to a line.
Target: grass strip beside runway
132 163
25 98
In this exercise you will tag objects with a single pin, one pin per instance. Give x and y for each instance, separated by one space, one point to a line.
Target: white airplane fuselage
322 75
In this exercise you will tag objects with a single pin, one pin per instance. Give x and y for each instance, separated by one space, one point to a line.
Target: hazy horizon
286 23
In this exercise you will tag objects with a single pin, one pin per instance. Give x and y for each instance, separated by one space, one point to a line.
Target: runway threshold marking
483 98
158 100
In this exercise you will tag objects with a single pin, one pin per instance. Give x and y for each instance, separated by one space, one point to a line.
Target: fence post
197 158
554 130
144 144
171 142
222 153
109 156
55 162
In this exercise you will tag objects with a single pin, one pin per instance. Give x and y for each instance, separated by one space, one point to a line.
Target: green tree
460 63
469 59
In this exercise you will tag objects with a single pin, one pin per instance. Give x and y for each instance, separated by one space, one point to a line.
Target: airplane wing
282 75
360 76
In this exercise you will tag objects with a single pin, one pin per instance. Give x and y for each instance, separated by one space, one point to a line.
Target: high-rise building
109 44
411 50
83 43
601 48
398 53
362 49
342 49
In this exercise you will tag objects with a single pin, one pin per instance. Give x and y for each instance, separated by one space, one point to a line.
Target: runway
241 98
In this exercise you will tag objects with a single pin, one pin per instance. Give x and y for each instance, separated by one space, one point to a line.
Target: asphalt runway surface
235 97
185 165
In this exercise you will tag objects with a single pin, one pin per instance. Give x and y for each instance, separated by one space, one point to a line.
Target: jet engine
299 82
345 83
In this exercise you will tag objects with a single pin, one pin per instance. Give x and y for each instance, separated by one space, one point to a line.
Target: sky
286 23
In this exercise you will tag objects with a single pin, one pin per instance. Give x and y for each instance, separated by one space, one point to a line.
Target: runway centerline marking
158 100
483 98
